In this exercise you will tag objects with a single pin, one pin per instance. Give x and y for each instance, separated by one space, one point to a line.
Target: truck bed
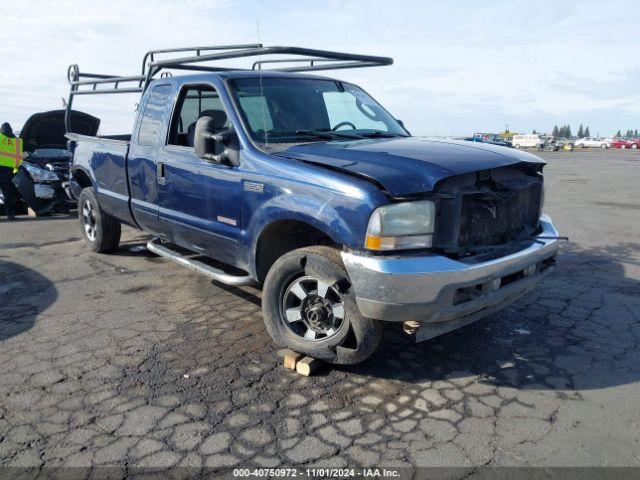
104 160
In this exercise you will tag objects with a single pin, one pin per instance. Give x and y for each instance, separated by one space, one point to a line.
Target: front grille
495 218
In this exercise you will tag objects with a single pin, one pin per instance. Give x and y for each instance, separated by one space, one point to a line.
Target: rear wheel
517 145
634 146
101 231
623 146
309 306
604 145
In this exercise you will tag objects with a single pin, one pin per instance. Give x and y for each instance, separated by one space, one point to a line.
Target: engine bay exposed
479 212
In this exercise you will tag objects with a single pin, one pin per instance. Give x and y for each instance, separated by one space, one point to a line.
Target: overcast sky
460 67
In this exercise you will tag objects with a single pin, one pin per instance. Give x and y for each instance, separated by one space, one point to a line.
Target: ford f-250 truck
310 189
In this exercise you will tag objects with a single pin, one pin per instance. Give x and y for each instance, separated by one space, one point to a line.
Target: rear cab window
152 118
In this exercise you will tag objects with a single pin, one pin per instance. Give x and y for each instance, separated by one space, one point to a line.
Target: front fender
341 219
319 214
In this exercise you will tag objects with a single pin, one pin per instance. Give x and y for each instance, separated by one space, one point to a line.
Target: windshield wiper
380 134
301 133
328 134
320 134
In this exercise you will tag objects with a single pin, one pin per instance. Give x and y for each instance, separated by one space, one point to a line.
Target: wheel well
82 178
284 236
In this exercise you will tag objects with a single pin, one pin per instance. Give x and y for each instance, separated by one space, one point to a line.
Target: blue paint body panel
222 211
409 165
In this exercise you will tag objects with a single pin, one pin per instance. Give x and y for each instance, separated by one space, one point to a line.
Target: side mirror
202 142
215 147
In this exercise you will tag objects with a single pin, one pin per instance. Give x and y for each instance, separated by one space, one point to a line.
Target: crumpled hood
409 165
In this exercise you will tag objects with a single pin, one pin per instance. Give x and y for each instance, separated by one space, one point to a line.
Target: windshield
293 110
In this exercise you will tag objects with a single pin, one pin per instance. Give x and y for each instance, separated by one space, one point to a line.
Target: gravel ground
130 360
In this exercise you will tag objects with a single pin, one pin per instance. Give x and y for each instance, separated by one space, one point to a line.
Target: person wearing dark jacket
6 174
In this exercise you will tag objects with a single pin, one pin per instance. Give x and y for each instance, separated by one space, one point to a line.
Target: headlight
401 226
40 174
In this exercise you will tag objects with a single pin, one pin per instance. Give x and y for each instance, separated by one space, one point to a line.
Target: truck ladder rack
205 58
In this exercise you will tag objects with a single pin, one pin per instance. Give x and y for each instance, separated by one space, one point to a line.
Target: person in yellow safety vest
10 160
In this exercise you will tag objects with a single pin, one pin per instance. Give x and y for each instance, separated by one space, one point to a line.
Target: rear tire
604 145
634 146
305 293
100 231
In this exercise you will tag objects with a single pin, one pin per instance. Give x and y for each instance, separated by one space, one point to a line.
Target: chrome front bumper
443 293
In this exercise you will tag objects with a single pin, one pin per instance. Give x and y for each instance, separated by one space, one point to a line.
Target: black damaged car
43 179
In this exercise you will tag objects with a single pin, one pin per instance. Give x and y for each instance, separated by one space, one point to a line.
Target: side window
151 121
195 101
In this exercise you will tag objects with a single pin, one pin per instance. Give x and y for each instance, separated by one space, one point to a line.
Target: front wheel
101 231
634 146
604 145
309 306
623 146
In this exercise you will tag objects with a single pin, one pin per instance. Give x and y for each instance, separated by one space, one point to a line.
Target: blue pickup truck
308 188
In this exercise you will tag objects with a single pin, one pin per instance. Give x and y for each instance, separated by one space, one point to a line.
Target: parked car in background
565 143
490 138
622 143
551 146
532 140
592 142
45 146
555 144
43 178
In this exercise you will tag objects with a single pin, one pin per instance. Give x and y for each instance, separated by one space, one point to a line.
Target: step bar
200 267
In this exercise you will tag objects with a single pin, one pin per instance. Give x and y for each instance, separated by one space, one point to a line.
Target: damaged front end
491 246
488 211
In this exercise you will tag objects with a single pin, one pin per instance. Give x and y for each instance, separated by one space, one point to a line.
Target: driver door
199 201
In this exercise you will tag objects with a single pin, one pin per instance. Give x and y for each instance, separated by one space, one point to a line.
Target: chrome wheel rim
89 220
312 309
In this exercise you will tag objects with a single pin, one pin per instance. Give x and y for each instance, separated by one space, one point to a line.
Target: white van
531 140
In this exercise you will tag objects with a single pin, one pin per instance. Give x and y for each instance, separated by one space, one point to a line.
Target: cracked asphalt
130 360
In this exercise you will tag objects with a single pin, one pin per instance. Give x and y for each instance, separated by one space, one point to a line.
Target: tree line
565 131
628 134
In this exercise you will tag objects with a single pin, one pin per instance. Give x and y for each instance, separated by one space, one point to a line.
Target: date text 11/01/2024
317 473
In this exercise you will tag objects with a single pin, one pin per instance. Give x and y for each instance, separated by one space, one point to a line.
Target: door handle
160 173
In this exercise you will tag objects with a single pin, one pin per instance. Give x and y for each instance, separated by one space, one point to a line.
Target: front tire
634 146
100 231
604 146
309 306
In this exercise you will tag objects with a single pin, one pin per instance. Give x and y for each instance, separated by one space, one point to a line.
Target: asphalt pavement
130 360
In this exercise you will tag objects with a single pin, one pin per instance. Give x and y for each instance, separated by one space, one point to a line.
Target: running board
200 267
